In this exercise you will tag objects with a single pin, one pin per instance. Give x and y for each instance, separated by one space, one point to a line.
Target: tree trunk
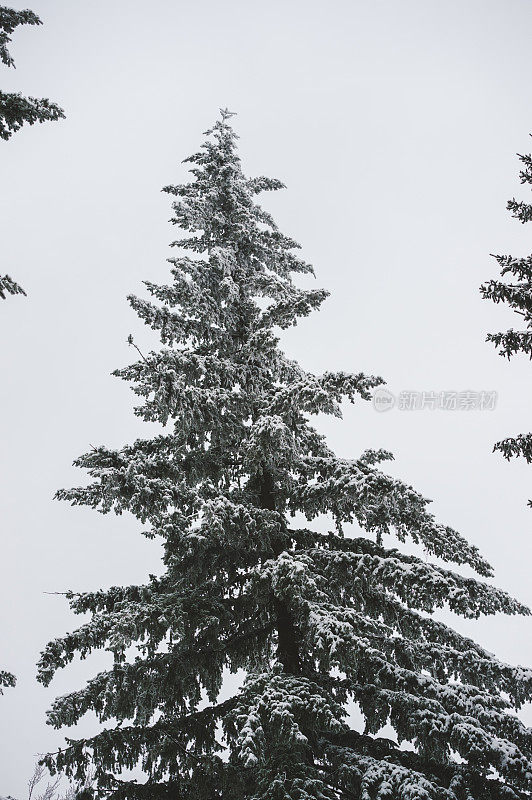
287 634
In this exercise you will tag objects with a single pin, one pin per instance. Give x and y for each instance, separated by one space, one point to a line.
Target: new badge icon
383 399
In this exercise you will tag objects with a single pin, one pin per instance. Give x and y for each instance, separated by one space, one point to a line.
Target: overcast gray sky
395 127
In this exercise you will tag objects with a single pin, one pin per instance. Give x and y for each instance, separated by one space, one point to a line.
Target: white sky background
395 127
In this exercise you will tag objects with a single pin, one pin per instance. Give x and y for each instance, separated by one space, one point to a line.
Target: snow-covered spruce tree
16 110
518 295
315 620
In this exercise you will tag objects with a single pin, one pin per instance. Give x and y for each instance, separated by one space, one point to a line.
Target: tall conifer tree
15 110
314 620
517 294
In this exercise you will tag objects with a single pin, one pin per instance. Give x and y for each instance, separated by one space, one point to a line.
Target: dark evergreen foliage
8 286
6 679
